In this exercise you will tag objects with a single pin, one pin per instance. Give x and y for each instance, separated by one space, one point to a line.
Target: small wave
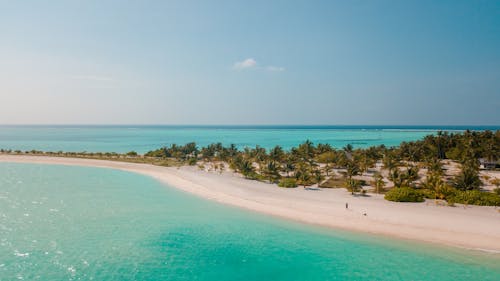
491 251
72 269
18 254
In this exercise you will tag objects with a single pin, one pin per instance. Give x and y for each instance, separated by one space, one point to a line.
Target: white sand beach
471 227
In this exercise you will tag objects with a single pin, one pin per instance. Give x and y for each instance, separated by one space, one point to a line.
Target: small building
485 164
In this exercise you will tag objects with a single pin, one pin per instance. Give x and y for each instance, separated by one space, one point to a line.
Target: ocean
141 139
82 223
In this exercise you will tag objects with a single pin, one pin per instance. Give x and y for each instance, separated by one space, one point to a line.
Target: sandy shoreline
472 227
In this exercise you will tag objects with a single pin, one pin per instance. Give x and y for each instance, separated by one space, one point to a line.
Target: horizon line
252 125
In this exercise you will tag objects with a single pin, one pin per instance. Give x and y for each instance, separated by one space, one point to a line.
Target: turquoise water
76 223
145 138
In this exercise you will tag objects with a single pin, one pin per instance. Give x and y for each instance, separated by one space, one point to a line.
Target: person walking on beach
346 205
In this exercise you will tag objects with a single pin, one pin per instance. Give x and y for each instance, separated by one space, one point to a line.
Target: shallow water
80 223
145 138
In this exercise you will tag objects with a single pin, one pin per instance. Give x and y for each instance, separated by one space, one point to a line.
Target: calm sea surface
145 138
76 223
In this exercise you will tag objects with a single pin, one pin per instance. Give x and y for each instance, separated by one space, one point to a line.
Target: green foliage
436 188
333 182
434 166
353 185
389 160
287 182
476 197
303 175
271 172
277 153
496 190
302 163
454 153
378 183
404 194
352 169
467 179
364 160
132 153
247 169
404 177
192 161
318 176
428 193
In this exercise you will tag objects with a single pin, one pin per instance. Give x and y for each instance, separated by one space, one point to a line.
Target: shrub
404 194
468 179
476 197
192 161
451 202
429 194
132 153
353 185
497 191
287 182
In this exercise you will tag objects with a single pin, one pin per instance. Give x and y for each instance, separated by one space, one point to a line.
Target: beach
471 227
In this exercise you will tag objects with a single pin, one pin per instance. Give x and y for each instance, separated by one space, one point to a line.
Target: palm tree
433 182
271 171
352 185
303 175
404 178
364 162
318 176
232 150
467 179
434 165
389 162
348 148
396 177
288 167
352 169
306 152
258 155
378 182
276 153
322 148
411 175
247 169
327 168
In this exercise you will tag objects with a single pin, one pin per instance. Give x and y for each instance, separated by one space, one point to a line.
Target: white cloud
251 63
275 68
245 64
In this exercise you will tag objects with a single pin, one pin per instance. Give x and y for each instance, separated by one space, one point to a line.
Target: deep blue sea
141 139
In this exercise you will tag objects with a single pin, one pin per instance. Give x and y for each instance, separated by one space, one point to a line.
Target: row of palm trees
321 164
309 164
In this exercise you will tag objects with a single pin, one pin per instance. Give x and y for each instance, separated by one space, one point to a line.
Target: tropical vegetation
442 166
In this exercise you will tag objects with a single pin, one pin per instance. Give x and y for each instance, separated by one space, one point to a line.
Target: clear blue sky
252 62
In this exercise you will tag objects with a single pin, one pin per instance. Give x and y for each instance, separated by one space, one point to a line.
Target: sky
250 62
